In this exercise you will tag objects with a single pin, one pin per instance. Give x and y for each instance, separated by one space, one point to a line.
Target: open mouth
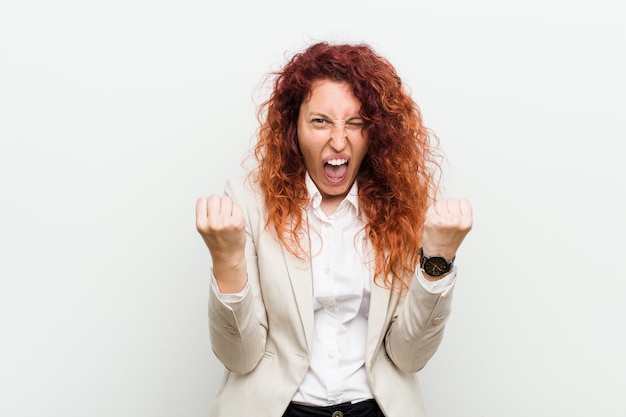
336 169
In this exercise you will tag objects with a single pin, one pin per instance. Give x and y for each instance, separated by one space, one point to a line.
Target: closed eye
355 124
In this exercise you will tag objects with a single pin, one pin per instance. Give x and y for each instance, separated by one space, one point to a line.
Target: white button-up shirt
341 299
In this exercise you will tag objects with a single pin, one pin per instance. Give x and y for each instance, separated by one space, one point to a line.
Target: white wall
115 116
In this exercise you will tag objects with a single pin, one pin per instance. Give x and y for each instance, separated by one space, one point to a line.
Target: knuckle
201 223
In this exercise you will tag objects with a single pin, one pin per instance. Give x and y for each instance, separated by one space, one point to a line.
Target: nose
338 137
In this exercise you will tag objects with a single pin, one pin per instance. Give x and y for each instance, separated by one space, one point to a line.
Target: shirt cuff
228 298
438 286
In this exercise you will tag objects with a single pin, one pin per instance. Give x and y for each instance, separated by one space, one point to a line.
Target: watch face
436 266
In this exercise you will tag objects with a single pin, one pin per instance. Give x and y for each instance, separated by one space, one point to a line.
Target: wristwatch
435 266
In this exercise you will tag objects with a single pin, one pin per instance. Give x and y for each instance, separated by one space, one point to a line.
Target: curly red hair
397 179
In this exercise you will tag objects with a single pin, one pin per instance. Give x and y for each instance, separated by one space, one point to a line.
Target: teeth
337 162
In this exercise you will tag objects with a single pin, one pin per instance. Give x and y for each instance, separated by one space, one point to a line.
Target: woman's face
332 139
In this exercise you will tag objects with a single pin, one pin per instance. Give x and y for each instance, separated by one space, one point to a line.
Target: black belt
367 408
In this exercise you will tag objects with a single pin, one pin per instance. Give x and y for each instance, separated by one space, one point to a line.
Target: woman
332 261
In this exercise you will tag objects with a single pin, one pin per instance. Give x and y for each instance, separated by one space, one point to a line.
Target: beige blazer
264 340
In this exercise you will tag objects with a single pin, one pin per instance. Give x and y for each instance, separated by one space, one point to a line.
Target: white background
115 116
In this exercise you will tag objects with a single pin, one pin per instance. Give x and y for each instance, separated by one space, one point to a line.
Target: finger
431 212
435 209
453 208
237 215
201 208
226 206
467 213
213 207
201 213
466 207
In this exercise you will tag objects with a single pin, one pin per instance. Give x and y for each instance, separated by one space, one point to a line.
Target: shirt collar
316 197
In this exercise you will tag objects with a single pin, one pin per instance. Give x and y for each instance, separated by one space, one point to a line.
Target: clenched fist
447 223
220 223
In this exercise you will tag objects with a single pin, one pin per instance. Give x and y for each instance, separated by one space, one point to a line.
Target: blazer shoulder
243 189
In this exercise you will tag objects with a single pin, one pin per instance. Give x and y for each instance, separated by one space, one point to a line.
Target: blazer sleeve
238 330
417 327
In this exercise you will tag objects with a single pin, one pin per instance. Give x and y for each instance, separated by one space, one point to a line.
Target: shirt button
337 414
